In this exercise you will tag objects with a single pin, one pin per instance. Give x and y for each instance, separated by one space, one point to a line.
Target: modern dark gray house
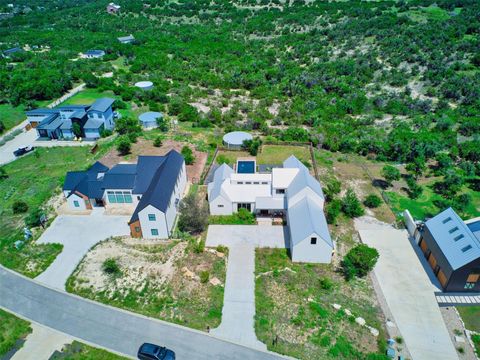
452 248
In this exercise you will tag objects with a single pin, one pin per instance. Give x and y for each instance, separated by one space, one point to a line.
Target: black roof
162 185
88 183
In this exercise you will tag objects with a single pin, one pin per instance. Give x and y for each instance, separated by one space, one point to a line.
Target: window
264 183
240 182
151 217
244 206
137 229
128 197
248 183
138 197
446 220
76 203
469 285
451 231
119 197
313 240
280 191
256 183
111 197
466 248
458 237
219 205
154 232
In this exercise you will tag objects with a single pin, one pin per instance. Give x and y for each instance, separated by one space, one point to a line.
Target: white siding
160 223
71 202
221 206
305 252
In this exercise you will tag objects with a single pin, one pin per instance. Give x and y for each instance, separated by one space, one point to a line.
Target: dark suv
154 352
23 151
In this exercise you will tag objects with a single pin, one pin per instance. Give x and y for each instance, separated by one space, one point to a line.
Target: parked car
23 151
154 352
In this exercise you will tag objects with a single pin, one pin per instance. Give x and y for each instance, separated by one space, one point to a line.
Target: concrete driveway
24 139
257 235
408 291
238 313
77 234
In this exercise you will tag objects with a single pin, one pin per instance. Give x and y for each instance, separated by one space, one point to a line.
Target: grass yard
34 179
11 329
11 116
294 306
79 351
168 280
471 317
276 154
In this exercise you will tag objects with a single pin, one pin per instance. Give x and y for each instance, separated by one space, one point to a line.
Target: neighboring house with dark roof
452 248
290 192
153 187
58 123
93 54
126 39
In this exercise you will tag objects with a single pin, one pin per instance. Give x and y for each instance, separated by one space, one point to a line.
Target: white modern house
289 191
152 188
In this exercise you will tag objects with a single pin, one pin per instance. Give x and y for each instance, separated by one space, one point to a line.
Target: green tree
188 155
332 210
193 214
372 201
124 145
359 261
157 142
77 130
19 207
351 206
414 190
390 173
162 124
2 127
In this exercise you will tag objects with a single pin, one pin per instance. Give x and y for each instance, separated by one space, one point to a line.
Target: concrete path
458 299
41 343
77 233
112 328
238 313
408 291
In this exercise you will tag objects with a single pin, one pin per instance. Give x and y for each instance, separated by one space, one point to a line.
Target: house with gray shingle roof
289 191
452 248
152 188
126 39
57 123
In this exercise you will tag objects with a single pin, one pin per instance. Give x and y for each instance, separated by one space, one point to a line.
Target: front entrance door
247 206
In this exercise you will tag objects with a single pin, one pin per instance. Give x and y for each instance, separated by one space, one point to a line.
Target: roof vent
451 231
458 237
466 248
447 220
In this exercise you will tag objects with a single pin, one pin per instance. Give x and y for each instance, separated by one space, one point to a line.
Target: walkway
408 291
458 299
238 313
77 234
109 327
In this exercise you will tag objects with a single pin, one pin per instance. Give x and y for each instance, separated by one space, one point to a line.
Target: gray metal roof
93 124
305 218
102 104
51 122
95 52
150 116
66 125
128 38
236 137
454 238
78 114
41 111
303 180
215 187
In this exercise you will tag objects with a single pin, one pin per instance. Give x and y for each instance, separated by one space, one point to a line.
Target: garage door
423 246
432 261
442 278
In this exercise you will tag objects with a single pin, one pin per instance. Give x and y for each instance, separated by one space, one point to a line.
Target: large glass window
119 196
128 197
111 197
244 206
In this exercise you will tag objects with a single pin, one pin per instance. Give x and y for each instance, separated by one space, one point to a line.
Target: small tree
332 210
351 205
33 218
77 130
111 267
2 127
414 190
162 124
158 141
372 201
359 261
333 187
3 174
390 173
193 214
188 155
252 146
124 145
19 207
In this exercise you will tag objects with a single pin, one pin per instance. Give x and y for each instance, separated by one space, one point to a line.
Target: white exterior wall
81 202
160 223
216 207
305 252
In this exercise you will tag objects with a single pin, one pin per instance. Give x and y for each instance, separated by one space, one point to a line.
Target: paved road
111 328
26 138
77 233
408 291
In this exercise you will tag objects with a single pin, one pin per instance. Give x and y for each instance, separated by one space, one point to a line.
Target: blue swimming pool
246 167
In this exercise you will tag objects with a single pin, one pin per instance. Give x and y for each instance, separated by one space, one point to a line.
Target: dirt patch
145 147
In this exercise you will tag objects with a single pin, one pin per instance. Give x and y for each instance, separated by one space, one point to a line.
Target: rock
348 312
187 273
337 306
310 299
373 331
360 321
391 324
219 254
215 281
460 339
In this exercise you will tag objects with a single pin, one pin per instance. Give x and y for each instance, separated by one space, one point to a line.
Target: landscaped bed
177 281
295 313
79 351
12 329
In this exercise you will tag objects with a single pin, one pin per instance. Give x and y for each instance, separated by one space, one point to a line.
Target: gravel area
456 328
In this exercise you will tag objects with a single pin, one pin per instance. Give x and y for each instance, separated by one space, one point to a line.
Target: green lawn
11 329
294 306
79 351
11 116
34 179
470 316
276 154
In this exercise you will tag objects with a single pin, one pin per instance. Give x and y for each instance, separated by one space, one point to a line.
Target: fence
207 170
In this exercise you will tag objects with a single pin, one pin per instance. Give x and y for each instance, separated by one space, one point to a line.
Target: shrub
33 218
372 201
158 141
414 190
351 205
204 276
3 173
390 173
2 127
332 210
359 261
221 249
222 159
105 133
111 267
326 283
188 155
193 214
199 247
252 146
124 145
162 124
19 207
